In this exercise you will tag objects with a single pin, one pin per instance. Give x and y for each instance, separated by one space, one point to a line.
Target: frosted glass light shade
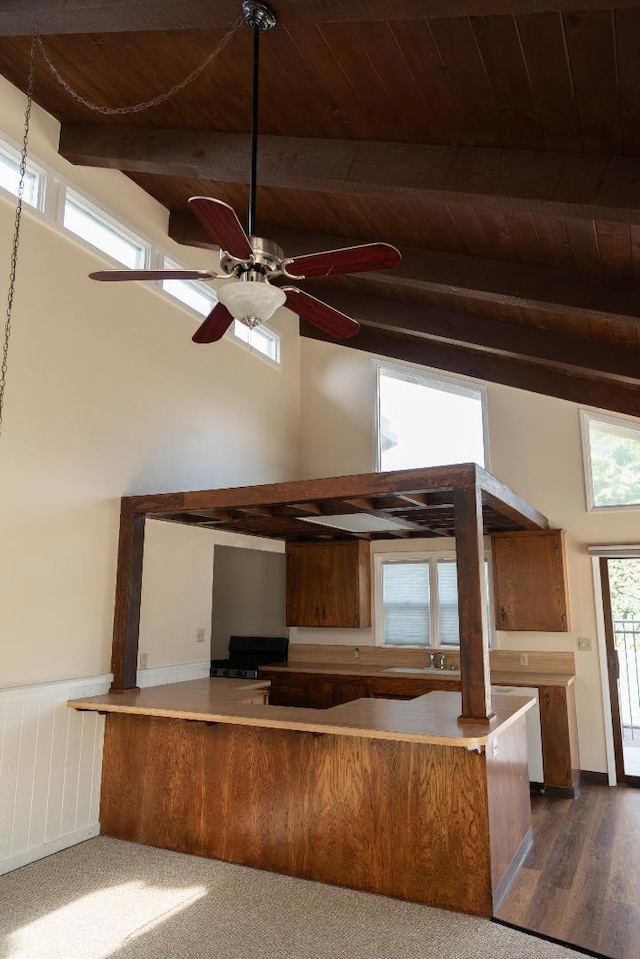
251 299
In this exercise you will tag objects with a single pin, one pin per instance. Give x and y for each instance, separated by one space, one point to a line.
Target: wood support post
472 607
126 620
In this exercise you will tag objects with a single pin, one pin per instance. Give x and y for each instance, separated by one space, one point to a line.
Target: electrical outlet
144 660
584 642
524 659
200 634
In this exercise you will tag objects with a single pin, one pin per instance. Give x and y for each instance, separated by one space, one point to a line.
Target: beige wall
106 395
534 447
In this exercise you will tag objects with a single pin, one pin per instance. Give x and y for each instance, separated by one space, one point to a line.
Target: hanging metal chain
146 104
16 229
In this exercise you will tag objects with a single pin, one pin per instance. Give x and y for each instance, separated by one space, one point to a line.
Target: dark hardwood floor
581 881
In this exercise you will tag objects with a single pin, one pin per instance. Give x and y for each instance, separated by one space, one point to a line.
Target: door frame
609 668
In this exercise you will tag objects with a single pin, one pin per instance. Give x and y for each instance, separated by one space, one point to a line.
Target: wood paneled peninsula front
322 676
394 797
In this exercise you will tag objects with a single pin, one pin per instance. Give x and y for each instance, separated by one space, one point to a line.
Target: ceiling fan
255 262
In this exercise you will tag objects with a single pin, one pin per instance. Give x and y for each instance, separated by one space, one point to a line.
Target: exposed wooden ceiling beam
583 356
600 393
587 186
120 16
521 285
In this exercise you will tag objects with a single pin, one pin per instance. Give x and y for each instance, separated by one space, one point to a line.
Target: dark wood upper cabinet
530 581
329 584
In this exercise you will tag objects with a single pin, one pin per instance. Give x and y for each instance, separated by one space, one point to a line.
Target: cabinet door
329 584
530 581
287 689
408 688
326 691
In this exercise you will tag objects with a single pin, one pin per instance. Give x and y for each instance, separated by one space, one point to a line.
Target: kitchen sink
428 670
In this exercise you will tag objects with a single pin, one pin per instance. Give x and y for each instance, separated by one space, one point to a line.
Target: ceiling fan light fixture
251 301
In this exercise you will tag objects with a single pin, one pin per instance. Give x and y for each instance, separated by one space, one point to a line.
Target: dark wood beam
521 285
126 616
590 186
507 339
23 17
600 393
472 607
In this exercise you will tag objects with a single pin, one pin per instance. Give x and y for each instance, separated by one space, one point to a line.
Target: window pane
425 424
448 603
260 339
406 603
191 294
615 463
10 179
100 234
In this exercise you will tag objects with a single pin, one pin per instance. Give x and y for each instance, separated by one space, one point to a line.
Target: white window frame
271 334
168 263
380 559
53 189
101 216
14 155
424 377
624 424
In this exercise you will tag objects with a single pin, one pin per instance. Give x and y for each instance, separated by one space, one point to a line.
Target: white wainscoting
51 763
161 675
50 769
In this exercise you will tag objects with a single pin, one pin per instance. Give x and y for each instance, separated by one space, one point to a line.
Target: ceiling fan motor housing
266 260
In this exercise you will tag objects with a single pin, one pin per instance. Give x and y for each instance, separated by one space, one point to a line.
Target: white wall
534 447
107 395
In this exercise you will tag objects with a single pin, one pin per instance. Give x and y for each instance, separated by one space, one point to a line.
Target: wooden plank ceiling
495 142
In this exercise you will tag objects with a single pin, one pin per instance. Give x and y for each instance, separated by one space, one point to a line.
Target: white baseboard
48 849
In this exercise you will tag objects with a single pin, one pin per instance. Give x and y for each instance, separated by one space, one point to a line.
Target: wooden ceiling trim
604 394
120 16
583 355
593 186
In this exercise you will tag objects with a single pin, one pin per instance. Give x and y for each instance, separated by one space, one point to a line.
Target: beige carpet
110 898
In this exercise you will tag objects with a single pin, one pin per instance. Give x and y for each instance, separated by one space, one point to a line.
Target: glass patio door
620 579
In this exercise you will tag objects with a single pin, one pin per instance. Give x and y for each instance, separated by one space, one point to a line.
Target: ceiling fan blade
118 275
320 314
221 222
215 325
351 259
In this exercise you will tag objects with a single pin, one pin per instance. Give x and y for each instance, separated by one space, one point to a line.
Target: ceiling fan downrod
259 17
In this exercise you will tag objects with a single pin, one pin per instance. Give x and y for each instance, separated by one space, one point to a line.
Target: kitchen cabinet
530 581
315 691
321 691
398 687
326 691
560 755
329 584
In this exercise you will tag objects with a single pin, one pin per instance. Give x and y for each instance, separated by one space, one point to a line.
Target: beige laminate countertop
432 718
499 677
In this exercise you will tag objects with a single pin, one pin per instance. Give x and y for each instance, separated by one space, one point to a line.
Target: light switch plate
584 642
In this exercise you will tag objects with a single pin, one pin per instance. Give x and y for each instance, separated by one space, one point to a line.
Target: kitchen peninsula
397 798
426 799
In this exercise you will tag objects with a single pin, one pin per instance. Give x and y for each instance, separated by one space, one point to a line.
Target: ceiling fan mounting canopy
253 261
258 15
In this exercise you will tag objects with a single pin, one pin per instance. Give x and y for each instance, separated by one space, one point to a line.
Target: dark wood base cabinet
320 691
434 824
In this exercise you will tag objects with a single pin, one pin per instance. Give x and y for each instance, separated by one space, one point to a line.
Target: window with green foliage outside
612 460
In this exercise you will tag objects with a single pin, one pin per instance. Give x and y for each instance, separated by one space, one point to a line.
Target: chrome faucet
442 661
432 659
